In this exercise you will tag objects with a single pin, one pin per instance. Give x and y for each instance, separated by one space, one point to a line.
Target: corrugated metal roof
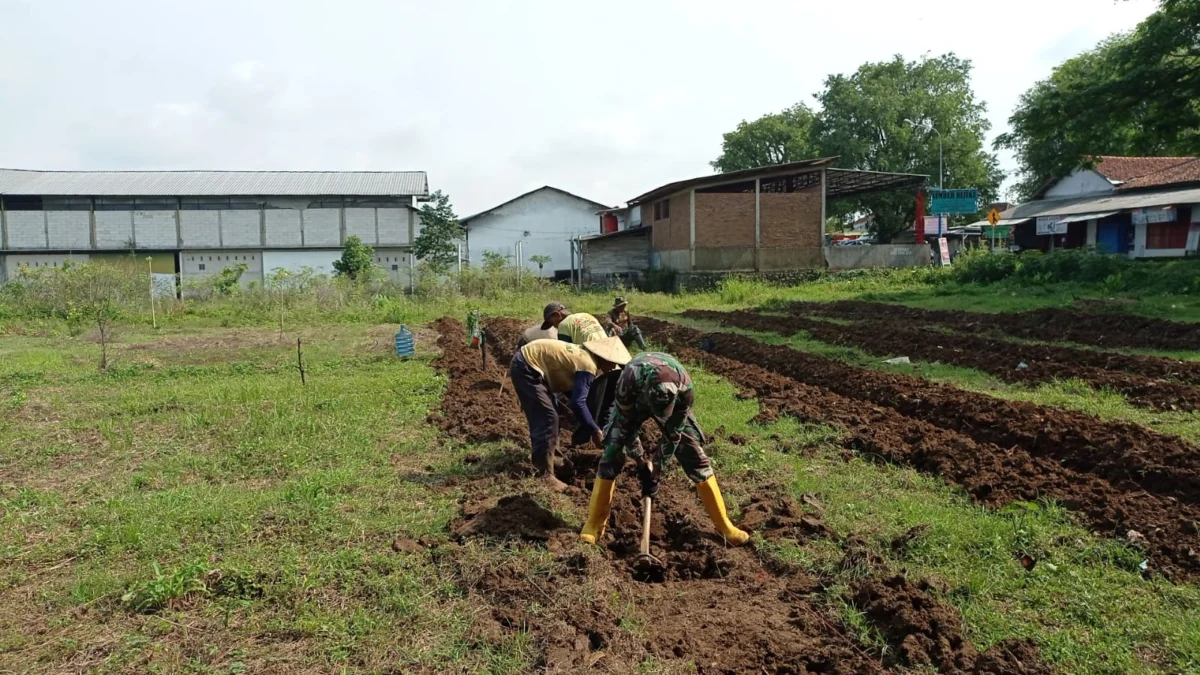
212 183
731 177
1118 201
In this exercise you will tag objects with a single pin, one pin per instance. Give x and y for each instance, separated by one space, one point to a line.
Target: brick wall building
764 219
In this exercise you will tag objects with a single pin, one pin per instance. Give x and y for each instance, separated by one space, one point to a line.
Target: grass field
197 509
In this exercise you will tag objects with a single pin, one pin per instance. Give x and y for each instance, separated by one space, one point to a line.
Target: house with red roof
1144 207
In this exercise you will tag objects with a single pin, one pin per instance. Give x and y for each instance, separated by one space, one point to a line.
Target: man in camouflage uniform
654 385
620 323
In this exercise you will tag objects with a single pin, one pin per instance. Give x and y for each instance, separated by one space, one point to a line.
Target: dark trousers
538 404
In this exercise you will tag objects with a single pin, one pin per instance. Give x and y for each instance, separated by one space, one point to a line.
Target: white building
541 222
196 223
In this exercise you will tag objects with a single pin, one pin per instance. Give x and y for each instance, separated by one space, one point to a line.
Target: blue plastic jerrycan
404 342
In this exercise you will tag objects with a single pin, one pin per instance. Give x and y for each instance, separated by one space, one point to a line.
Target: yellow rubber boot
710 494
598 509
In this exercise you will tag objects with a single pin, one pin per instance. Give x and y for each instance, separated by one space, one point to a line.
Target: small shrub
226 281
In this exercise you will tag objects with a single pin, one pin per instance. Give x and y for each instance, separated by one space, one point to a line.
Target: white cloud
604 99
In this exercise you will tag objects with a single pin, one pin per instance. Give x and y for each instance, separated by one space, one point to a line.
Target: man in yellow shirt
543 368
579 328
552 315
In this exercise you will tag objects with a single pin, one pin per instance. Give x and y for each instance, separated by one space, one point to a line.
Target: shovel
646 564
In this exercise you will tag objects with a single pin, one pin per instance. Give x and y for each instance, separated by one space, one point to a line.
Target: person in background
552 315
654 385
543 368
622 324
579 328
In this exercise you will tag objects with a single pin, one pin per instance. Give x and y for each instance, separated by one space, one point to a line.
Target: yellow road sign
993 216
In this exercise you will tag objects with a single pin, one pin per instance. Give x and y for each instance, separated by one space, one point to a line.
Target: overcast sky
492 98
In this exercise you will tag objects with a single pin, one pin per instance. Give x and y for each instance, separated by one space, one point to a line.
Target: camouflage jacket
654 386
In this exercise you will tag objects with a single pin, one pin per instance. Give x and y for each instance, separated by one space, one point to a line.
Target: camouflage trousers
687 448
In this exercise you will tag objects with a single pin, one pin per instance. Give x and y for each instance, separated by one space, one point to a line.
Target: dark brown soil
1114 329
995 356
714 608
512 517
909 421
502 335
478 401
924 632
1130 456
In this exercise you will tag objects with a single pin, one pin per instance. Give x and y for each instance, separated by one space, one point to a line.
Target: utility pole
928 126
579 244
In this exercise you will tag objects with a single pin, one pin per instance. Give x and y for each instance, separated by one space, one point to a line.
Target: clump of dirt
922 630
999 455
858 555
781 517
925 632
1015 657
514 516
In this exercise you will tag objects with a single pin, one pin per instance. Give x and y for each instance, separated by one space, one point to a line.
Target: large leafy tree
887 116
1134 94
436 246
771 139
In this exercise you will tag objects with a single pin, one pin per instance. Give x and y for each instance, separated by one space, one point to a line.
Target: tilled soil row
1131 457
475 394
782 379
1048 324
713 606
722 610
998 357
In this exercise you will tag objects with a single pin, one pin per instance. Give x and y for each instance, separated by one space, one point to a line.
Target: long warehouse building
193 224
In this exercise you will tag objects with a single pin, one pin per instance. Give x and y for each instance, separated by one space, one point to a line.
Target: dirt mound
1009 361
776 517
501 335
515 516
716 608
925 632
1049 324
479 403
993 474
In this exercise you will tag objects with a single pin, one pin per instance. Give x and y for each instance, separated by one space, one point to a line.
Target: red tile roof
1144 172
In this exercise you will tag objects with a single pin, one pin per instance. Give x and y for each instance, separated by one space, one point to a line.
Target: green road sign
954 201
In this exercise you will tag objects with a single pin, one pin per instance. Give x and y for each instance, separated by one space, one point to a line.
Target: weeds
146 597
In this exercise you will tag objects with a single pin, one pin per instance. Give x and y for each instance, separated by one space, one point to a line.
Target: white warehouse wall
293 261
171 229
551 217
